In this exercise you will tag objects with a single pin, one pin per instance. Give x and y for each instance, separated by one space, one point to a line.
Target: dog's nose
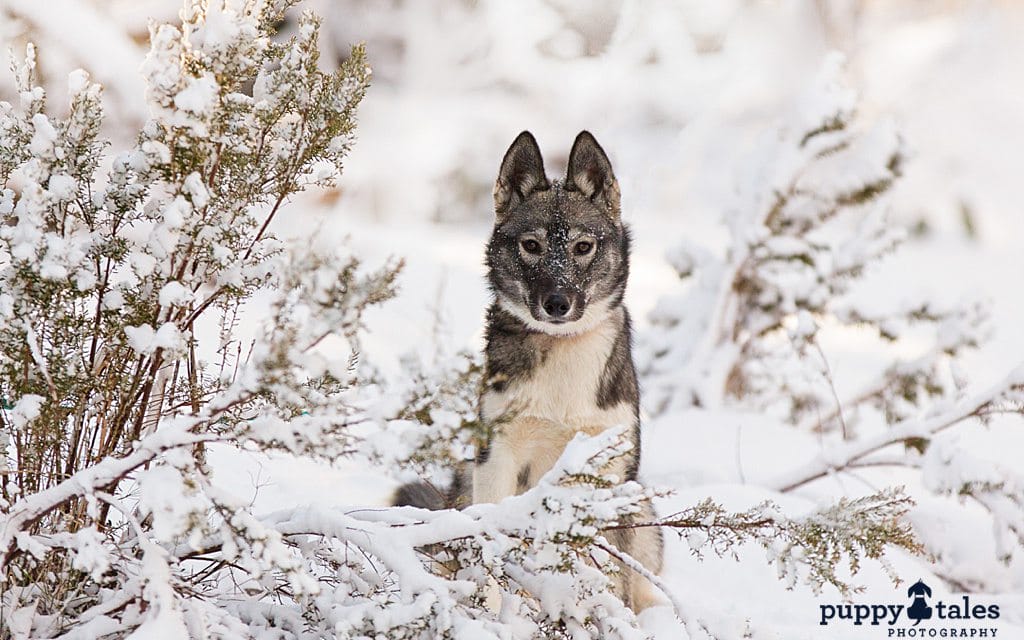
557 305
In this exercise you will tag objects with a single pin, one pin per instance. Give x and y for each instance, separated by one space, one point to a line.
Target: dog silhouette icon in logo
919 609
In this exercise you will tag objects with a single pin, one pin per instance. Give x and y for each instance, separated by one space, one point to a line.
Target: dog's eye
583 247
531 246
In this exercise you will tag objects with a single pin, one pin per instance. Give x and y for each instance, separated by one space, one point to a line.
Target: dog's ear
590 173
521 173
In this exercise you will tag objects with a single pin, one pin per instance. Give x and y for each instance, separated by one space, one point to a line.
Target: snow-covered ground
678 93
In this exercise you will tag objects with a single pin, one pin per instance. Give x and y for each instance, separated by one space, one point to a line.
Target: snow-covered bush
809 224
108 264
811 219
118 273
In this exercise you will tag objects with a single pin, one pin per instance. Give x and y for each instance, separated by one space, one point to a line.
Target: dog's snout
557 305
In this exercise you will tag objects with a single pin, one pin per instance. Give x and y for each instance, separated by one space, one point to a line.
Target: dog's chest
563 386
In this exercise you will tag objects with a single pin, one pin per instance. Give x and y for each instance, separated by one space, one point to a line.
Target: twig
683 614
854 451
832 387
37 357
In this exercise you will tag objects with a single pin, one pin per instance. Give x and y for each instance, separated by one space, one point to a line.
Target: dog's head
559 255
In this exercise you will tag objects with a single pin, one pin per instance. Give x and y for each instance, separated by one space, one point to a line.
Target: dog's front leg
495 477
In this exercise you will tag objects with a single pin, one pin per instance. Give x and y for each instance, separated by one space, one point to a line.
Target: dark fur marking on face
553 215
562 216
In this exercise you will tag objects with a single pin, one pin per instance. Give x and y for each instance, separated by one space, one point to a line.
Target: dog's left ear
590 173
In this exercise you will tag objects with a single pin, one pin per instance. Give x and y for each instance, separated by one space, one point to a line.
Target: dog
558 338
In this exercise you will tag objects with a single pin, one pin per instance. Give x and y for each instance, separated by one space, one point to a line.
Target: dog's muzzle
558 306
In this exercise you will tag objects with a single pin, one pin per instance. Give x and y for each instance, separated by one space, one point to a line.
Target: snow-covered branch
844 455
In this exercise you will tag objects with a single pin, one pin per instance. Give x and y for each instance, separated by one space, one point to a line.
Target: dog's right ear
522 173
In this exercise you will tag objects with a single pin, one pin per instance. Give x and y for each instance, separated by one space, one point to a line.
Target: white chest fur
535 417
562 388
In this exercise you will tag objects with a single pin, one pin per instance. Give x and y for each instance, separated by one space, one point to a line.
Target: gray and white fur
558 354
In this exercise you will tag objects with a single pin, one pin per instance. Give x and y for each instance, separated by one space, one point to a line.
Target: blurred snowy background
682 95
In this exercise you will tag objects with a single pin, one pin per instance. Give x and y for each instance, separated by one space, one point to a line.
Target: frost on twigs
812 219
428 418
810 548
109 264
998 489
410 573
547 551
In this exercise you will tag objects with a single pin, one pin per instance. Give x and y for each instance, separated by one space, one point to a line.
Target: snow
145 340
671 194
44 137
681 95
78 81
221 26
90 558
164 494
62 187
79 36
26 409
174 293
199 95
113 300
195 188
168 623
